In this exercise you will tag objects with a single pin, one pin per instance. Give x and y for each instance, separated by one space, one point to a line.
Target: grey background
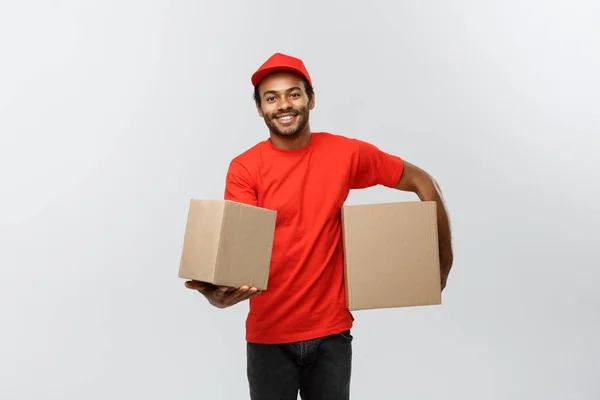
114 114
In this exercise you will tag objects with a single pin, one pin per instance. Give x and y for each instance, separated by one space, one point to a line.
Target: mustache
289 112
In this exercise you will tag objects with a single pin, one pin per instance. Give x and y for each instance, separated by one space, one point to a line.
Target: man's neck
294 143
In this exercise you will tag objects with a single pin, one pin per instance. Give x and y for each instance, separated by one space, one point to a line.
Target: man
298 330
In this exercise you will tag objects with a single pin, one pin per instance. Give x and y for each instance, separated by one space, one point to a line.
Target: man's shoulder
336 140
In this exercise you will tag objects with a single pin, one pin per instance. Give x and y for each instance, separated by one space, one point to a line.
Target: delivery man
298 330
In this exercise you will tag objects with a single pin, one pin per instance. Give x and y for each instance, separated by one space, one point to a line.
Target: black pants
318 369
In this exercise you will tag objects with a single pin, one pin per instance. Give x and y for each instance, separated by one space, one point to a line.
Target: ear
259 109
311 102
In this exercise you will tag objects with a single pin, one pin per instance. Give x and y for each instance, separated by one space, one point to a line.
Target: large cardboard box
391 255
228 243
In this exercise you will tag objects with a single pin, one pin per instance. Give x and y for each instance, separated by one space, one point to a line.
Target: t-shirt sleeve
239 186
375 167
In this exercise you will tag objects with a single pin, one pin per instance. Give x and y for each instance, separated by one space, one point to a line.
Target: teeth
286 118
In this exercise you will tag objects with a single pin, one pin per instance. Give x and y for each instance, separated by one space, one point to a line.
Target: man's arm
376 167
238 185
415 180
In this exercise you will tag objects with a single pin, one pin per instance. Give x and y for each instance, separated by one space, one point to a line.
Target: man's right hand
222 296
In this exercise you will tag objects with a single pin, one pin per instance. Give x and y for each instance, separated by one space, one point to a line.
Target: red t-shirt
307 187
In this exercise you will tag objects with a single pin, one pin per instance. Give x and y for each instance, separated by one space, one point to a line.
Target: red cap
280 62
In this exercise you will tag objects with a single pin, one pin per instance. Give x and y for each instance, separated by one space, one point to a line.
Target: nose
283 103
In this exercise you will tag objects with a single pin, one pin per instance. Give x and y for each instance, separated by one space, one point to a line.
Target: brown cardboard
391 255
227 243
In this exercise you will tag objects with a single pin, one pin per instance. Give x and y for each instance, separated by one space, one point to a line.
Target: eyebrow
275 92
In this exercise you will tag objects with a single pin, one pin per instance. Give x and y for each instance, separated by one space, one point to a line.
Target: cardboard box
391 255
228 243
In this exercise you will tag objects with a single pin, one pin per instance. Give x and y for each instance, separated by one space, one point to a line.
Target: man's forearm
432 192
416 180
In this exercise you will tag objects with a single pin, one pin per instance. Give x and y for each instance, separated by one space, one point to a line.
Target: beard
292 131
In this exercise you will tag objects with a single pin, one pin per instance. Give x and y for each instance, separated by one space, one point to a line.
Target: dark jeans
318 369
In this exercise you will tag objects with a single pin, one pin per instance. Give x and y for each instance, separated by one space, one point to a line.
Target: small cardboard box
228 243
391 255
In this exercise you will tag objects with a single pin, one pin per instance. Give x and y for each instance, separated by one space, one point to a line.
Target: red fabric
305 297
280 62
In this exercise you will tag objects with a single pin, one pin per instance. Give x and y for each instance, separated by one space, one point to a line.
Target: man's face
284 104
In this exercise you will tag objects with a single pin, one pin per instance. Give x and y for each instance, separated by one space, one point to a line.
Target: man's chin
288 131
287 135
